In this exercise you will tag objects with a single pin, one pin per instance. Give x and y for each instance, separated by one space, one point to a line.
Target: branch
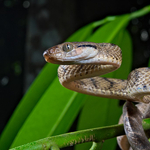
69 139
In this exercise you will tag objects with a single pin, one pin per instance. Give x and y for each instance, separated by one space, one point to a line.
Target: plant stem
73 138
140 12
54 147
133 15
96 146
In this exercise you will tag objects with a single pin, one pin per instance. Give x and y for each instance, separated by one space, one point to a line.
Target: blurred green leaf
85 32
53 114
26 105
107 32
81 34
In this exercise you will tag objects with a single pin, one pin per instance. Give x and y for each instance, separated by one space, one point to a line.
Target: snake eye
67 47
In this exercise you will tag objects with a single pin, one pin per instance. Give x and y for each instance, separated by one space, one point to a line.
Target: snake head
71 52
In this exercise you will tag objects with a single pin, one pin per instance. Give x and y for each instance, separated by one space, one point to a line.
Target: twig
78 137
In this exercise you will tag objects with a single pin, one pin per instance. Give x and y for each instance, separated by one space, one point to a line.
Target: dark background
27 28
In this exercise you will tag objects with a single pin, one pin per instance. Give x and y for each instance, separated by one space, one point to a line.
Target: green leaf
108 32
85 32
81 34
27 104
52 115
102 111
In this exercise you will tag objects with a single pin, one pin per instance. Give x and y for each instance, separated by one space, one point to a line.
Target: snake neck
81 78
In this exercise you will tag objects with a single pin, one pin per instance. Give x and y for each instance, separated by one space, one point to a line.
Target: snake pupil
67 47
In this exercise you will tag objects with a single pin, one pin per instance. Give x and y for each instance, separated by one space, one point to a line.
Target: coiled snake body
81 63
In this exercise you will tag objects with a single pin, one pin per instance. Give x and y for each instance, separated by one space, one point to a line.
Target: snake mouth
49 58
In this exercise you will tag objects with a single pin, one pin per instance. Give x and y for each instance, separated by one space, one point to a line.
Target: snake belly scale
81 63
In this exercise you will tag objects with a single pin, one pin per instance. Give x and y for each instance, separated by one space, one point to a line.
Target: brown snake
81 63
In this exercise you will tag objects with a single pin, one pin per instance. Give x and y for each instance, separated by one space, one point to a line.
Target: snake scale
81 63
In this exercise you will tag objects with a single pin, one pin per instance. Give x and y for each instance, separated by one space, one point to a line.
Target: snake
83 63
132 119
